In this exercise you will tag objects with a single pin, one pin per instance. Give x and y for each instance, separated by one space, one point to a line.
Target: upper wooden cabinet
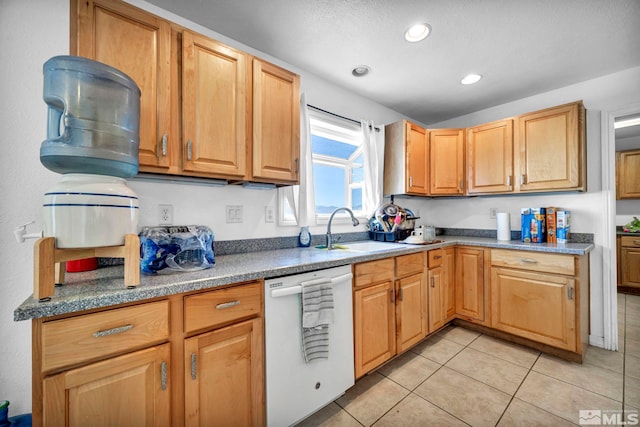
551 149
446 162
406 159
628 174
139 44
207 110
276 123
490 158
214 107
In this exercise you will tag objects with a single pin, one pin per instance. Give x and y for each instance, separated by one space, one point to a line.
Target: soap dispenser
304 238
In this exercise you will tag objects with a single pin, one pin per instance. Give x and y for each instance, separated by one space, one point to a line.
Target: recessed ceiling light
361 70
417 32
624 122
471 79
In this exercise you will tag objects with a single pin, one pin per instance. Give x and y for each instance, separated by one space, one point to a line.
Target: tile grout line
513 396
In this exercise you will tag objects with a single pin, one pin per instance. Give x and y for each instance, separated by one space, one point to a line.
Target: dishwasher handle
297 289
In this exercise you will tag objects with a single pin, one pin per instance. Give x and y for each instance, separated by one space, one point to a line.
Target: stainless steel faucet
354 221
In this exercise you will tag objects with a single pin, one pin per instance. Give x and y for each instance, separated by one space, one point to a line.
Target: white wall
605 94
31 33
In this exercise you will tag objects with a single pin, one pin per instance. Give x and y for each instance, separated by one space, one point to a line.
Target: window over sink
338 167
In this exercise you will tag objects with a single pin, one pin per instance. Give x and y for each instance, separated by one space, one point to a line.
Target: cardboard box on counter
563 226
533 225
551 224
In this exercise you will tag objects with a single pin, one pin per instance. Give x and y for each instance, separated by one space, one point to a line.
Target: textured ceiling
521 47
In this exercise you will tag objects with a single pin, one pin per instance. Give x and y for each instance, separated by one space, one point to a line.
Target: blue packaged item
23 420
168 249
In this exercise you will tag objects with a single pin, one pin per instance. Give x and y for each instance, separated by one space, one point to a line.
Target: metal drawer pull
193 366
636 242
529 260
227 305
163 375
437 256
112 331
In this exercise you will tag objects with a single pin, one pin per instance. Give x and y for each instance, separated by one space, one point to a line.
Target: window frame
327 126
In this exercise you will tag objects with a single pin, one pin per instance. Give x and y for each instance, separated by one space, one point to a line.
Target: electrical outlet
493 212
165 214
268 214
234 213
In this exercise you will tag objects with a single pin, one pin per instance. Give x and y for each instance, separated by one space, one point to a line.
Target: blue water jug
93 123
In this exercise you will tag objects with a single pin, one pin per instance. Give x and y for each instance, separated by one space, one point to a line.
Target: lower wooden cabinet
223 376
128 390
542 297
389 309
471 293
629 261
535 306
195 360
374 326
441 287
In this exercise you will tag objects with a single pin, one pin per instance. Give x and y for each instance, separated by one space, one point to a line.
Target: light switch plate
234 214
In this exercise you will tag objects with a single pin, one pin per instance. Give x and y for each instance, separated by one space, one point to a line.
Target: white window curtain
373 153
301 197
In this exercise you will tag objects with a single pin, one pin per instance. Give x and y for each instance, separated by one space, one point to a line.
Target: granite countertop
104 287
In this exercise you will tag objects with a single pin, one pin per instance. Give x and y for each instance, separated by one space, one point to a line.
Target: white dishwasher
295 389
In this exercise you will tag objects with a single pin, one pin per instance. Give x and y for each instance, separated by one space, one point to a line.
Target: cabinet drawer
368 273
407 265
435 258
91 336
222 306
535 261
630 241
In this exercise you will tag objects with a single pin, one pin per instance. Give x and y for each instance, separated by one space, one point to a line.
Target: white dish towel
317 315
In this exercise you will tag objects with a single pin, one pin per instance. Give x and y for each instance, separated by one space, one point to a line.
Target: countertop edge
101 288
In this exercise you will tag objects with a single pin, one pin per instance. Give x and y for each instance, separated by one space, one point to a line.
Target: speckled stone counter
104 287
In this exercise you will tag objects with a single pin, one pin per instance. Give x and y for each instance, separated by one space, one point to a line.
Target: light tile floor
461 377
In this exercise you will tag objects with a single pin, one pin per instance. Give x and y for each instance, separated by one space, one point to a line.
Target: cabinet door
435 299
214 107
129 390
446 161
138 44
630 266
490 158
416 160
276 123
551 149
628 174
410 311
470 284
448 283
224 376
374 326
533 305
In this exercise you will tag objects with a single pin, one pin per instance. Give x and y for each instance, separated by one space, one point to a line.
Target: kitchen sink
365 246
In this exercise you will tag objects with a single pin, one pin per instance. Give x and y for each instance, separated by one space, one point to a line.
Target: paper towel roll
504 225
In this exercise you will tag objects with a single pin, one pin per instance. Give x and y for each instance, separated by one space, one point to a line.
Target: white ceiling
521 47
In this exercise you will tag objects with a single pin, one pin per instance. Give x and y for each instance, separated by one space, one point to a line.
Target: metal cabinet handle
437 256
194 366
529 260
410 181
393 295
433 282
462 184
113 331
164 145
297 165
189 149
400 294
227 305
509 181
522 179
636 242
570 292
163 376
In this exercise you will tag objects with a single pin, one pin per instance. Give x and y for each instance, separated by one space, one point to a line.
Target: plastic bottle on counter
23 420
